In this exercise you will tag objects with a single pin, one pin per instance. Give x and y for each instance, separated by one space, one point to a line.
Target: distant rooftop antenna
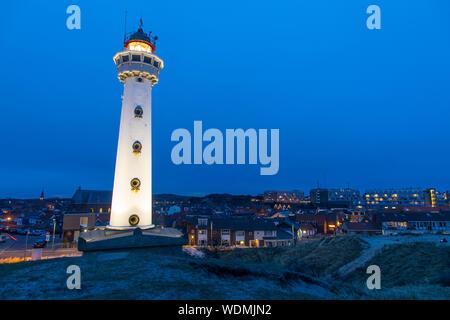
125 27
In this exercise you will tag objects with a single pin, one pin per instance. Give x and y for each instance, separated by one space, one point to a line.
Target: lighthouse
130 225
138 68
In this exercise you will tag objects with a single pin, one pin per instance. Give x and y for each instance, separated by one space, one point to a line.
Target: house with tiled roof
306 230
234 231
76 222
282 214
94 201
326 223
102 219
415 222
361 228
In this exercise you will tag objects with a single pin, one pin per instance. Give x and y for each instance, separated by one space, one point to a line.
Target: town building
262 211
277 196
102 219
344 195
94 201
434 198
306 230
319 197
282 214
241 232
354 215
430 198
76 222
322 223
394 197
414 222
361 228
34 221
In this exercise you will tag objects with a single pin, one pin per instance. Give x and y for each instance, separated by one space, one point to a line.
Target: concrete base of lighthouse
150 226
100 240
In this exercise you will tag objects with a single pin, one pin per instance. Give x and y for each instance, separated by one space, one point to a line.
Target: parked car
22 231
13 230
40 244
2 238
35 233
444 240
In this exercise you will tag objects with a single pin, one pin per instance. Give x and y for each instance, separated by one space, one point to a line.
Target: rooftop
91 196
241 224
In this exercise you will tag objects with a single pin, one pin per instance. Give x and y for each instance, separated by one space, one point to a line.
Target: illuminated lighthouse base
132 193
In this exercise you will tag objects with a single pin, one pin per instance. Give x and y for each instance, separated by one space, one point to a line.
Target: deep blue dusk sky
354 106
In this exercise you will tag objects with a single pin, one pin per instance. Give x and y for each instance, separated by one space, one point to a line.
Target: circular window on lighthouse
135 184
133 220
137 147
138 112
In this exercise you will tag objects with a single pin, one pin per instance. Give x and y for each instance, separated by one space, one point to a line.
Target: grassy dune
410 271
307 271
317 258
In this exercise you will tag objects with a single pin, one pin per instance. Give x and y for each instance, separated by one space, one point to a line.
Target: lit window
137 147
135 184
139 46
84 222
133 220
138 112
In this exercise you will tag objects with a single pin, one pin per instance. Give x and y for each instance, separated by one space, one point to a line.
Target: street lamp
54 227
26 245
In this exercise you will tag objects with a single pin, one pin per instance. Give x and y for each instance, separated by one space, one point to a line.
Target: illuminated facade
394 197
138 68
278 196
430 198
318 196
347 195
435 198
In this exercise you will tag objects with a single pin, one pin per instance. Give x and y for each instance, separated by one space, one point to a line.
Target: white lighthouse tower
138 68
